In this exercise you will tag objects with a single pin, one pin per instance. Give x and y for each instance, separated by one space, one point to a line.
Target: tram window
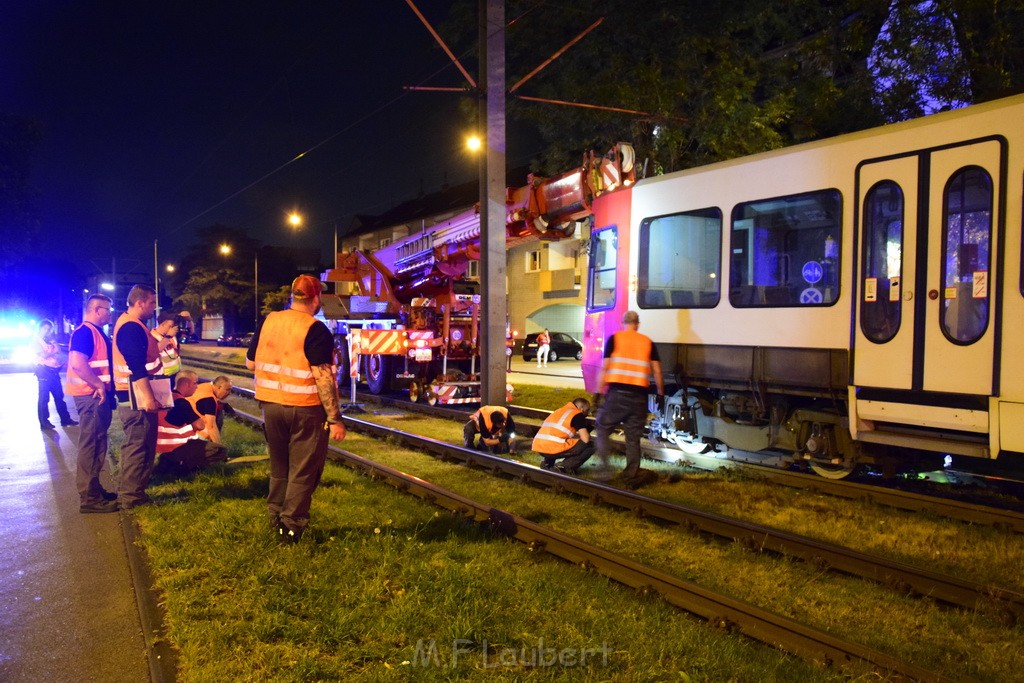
966 256
881 290
680 260
785 251
603 261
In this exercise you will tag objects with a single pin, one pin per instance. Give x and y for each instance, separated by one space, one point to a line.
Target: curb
162 658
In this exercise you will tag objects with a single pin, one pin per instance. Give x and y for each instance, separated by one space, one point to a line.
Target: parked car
247 339
562 346
229 340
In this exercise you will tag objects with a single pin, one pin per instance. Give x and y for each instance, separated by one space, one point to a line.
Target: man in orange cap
293 354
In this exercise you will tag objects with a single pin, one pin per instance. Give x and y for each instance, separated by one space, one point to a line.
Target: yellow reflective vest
630 362
556 435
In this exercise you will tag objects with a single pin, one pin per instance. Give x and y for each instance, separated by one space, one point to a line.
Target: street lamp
295 219
225 249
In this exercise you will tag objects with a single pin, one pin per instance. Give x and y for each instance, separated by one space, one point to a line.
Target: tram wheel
830 470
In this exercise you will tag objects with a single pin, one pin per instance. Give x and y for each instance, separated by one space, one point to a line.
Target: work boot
99 506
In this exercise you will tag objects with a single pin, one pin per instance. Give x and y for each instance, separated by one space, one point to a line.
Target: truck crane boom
414 301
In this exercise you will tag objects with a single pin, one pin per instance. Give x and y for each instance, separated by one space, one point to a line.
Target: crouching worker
564 434
495 427
181 450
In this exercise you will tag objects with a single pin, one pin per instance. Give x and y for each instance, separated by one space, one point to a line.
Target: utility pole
492 202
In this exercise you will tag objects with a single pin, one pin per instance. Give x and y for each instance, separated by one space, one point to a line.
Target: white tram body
836 298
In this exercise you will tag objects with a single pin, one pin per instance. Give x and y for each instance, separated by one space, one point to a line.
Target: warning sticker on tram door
870 289
979 287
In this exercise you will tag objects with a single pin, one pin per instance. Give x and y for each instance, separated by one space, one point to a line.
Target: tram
849 300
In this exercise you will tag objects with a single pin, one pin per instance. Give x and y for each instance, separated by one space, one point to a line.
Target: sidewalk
67 605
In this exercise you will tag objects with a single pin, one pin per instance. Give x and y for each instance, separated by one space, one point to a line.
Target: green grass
384 572
385 587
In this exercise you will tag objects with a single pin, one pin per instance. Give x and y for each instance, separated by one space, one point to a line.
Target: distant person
510 343
293 354
493 425
181 451
90 385
543 348
565 434
136 365
48 373
166 335
630 359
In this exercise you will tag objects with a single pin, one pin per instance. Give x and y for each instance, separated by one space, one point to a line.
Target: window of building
881 305
785 251
966 262
384 241
533 261
680 260
603 262
473 272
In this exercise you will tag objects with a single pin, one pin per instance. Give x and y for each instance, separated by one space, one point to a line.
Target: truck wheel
341 361
378 368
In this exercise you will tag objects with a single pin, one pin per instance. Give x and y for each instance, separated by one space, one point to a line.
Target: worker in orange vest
565 434
630 362
293 354
180 448
208 402
90 385
495 426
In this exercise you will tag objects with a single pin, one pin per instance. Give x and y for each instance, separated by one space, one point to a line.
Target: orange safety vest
169 437
283 374
486 412
556 434
630 362
204 390
98 361
122 373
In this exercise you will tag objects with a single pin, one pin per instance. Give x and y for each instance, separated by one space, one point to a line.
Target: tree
212 291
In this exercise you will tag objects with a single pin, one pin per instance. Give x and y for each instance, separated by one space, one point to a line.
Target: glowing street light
295 219
474 143
225 249
107 286
170 268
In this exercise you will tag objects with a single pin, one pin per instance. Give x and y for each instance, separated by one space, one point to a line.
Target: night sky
163 117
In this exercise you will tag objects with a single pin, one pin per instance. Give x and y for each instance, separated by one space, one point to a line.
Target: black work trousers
297 442
49 383
94 418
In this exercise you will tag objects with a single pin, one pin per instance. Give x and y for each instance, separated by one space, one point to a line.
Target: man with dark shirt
180 449
495 426
136 364
90 385
630 359
565 434
293 354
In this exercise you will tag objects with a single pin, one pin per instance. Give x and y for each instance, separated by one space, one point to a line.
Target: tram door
925 310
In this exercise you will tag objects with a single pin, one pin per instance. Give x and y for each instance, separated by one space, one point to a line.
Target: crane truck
413 321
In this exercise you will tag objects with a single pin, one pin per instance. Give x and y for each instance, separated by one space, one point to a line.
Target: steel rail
894 498
888 497
719 610
902 500
897 575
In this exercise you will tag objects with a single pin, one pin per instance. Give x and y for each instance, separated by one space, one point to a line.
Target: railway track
885 496
719 610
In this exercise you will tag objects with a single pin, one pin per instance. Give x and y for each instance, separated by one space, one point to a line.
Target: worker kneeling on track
181 448
565 435
495 427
